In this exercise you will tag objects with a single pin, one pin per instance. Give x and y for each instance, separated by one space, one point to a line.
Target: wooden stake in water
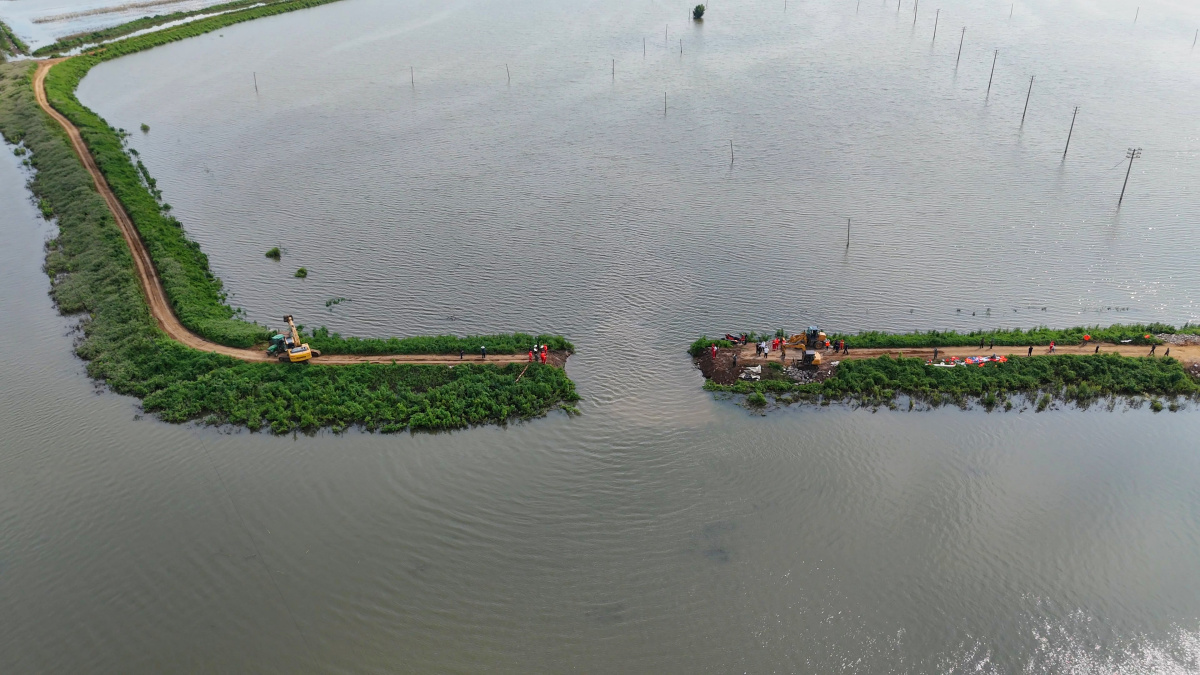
614 70
643 49
664 104
1135 14
1027 100
731 152
915 5
856 7
1196 38
1071 131
665 33
936 16
1132 154
509 73
897 6
989 89
412 77
960 41
255 83
847 233
1010 9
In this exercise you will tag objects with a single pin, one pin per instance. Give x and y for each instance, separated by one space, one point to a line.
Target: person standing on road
935 352
1030 351
714 352
845 348
483 351
460 353
544 356
1168 352
1152 348
992 344
981 342
1097 350
783 352
531 356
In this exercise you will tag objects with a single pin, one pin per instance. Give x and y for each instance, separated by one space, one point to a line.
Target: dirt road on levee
156 295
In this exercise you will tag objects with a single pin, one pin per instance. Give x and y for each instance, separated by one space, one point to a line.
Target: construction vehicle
288 348
809 342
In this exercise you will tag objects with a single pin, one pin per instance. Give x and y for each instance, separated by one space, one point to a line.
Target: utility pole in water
1132 154
1027 100
989 89
1071 131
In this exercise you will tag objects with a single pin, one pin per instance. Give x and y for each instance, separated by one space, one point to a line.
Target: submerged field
92 276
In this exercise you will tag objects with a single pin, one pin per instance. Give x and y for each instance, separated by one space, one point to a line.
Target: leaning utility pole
1132 154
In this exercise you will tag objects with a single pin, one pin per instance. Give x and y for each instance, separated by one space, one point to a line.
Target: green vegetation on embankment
1015 337
70 42
10 44
516 343
92 273
1082 379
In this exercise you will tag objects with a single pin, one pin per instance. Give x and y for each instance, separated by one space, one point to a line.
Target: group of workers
539 351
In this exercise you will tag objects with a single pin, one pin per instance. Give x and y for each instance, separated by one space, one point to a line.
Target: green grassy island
92 274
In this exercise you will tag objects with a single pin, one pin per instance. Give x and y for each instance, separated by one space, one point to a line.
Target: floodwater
663 530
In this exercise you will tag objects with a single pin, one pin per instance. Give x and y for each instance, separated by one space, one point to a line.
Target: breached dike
156 325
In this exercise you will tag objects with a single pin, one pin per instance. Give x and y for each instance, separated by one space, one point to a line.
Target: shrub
274 254
757 400
301 273
145 128
698 12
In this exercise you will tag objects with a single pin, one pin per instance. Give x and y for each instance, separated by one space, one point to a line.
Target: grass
1014 337
514 343
91 275
1082 379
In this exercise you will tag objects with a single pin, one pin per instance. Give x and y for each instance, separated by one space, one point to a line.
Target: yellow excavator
288 347
809 342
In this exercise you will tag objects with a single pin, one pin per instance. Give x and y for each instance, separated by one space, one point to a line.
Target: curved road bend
156 296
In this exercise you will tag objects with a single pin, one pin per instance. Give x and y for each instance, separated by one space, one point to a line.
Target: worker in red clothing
544 352
531 356
714 351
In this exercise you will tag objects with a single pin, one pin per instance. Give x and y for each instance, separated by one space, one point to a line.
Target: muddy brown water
663 530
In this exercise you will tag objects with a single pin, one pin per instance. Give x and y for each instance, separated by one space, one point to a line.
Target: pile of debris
1179 339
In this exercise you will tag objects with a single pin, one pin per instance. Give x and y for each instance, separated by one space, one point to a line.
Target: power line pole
1132 154
1027 100
1072 130
994 57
